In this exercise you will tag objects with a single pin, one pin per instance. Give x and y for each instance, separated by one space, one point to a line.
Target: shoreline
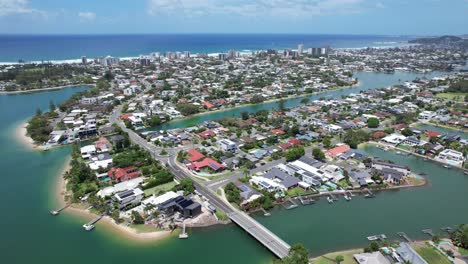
46 89
394 148
21 136
106 222
250 104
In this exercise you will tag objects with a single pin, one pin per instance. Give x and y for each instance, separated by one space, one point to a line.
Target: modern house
128 197
185 206
451 157
227 145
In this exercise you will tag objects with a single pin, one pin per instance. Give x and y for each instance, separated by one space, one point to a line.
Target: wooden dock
305 201
405 237
291 206
428 232
56 212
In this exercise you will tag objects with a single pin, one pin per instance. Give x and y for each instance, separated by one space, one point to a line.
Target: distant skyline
383 17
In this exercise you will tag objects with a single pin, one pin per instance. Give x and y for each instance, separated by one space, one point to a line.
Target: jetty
305 201
291 206
369 194
428 232
184 234
405 236
377 237
56 212
90 225
447 229
265 213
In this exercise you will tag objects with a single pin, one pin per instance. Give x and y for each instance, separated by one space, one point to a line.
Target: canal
367 80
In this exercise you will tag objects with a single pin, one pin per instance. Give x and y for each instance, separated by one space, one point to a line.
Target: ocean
71 47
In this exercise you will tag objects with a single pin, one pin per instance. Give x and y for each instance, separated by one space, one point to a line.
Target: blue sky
386 17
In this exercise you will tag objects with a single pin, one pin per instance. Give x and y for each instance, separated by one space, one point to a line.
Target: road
215 184
250 225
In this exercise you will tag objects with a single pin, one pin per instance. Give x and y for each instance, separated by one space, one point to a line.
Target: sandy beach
106 222
24 139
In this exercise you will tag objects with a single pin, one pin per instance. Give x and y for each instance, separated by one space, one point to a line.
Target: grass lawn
432 255
144 228
452 96
330 258
298 191
343 183
463 251
222 216
163 187
405 147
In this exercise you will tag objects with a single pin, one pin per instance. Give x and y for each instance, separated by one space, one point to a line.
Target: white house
426 116
227 145
87 151
451 157
394 139
266 184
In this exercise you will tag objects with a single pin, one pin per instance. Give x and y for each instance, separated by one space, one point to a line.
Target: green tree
407 132
186 185
339 259
294 153
245 115
318 154
232 193
298 254
137 218
305 100
52 106
326 142
373 122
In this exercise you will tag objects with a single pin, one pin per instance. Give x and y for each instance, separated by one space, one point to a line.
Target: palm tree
339 259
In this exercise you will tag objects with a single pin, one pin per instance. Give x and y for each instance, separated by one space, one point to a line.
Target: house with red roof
400 127
207 134
194 155
285 146
295 142
126 116
206 163
433 134
337 151
123 174
102 145
278 132
208 105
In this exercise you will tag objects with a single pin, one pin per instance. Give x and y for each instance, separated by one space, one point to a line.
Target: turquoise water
31 234
367 80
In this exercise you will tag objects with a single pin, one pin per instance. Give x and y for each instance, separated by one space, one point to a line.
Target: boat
385 148
347 198
447 166
330 200
465 172
184 234
368 195
88 227
377 237
54 212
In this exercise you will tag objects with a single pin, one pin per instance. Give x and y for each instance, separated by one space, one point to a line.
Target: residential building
227 145
129 197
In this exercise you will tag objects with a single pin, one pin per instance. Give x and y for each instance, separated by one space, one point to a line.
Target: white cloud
12 7
256 7
87 16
